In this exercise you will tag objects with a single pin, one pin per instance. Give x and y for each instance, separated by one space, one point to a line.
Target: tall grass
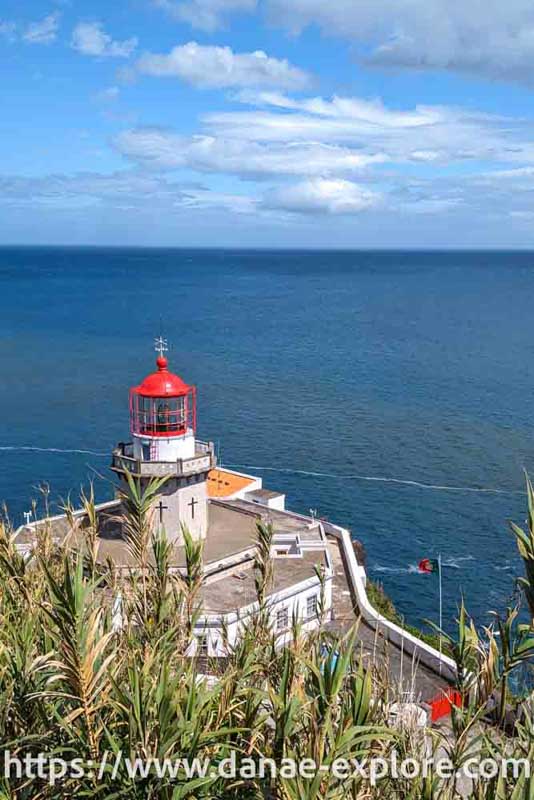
76 685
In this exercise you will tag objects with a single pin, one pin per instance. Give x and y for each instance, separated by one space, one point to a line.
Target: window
202 645
282 618
311 606
280 552
146 452
162 415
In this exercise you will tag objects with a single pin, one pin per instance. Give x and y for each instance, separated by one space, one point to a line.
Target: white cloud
206 198
319 196
108 95
407 160
90 39
119 191
493 38
8 30
89 187
134 190
166 150
344 155
523 216
219 67
208 15
426 201
44 31
424 134
306 123
372 112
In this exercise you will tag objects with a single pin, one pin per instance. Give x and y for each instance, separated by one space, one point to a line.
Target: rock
359 552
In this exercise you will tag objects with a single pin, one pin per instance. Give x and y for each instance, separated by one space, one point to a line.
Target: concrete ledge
421 651
79 512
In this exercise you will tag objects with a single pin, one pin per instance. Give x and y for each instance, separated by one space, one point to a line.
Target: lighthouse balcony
123 460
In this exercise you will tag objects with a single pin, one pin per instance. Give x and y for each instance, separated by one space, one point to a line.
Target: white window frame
203 645
282 618
312 598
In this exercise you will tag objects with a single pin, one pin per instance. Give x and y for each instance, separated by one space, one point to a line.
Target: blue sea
335 370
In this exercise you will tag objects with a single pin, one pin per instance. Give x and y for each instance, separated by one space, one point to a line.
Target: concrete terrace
229 549
408 676
235 588
231 530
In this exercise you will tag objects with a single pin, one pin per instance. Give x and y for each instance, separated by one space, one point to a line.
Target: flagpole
440 613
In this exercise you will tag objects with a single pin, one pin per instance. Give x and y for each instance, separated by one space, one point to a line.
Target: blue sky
290 123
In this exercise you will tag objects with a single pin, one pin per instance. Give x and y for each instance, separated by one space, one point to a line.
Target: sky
267 123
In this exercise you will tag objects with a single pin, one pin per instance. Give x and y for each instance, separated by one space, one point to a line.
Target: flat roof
235 588
228 547
231 529
229 532
264 494
223 483
282 521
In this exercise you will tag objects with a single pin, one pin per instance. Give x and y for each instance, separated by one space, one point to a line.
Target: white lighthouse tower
164 444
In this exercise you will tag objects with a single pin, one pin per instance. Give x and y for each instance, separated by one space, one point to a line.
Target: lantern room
163 416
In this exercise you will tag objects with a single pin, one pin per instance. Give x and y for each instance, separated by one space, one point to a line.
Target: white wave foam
379 479
454 562
32 448
449 563
292 471
411 569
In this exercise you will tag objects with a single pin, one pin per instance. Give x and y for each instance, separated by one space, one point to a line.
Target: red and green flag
432 566
429 566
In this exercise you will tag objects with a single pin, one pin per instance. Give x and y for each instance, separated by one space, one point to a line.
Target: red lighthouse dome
163 405
162 383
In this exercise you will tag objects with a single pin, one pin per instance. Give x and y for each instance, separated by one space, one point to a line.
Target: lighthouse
164 444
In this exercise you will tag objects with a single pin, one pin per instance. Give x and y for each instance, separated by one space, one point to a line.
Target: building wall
165 449
294 599
175 498
177 495
278 503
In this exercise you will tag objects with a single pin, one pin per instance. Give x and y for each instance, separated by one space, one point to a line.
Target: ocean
325 372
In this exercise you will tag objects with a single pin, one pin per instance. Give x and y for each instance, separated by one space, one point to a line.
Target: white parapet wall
412 645
420 651
43 521
78 512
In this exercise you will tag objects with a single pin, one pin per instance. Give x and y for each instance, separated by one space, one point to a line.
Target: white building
219 506
315 567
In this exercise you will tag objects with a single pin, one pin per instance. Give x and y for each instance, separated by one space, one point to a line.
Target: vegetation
76 685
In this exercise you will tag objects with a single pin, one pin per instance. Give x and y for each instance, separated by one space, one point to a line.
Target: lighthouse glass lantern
163 416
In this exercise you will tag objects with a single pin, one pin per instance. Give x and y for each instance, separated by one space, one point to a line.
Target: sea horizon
288 249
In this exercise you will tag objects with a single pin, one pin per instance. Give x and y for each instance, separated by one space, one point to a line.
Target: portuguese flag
429 566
